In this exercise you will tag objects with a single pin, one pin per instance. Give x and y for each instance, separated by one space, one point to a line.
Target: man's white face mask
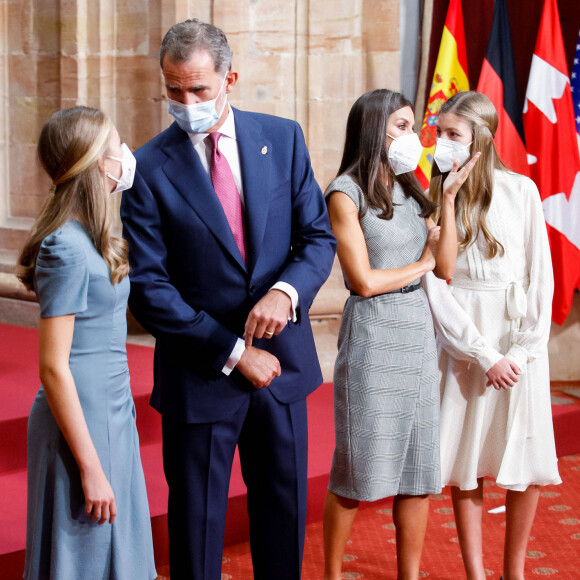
198 117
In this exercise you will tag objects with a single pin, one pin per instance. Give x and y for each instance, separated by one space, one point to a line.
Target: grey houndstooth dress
386 383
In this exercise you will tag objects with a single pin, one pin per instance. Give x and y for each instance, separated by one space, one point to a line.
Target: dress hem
507 486
353 496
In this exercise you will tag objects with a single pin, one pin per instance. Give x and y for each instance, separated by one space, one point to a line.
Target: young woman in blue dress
84 467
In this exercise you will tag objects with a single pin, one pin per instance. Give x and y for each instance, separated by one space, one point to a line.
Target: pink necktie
228 194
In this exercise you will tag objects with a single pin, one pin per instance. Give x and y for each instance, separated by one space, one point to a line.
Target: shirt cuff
291 291
519 355
235 356
488 357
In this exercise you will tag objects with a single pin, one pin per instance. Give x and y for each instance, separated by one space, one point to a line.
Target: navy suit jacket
189 285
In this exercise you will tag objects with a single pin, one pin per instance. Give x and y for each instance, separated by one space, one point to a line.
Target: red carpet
553 550
18 386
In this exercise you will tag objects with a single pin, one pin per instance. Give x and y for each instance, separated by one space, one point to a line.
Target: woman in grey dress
84 467
386 384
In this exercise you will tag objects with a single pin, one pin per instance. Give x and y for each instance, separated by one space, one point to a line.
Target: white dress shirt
229 148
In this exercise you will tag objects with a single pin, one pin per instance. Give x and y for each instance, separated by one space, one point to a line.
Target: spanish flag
450 78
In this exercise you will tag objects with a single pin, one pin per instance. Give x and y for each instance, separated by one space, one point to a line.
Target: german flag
498 81
450 78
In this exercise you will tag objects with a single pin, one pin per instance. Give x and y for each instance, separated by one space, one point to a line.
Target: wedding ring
268 333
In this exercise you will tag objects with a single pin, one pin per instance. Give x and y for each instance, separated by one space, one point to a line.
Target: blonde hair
69 148
474 197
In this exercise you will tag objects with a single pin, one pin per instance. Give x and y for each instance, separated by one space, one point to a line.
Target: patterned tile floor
553 550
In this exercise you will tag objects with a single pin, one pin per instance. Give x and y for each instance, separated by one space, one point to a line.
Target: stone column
381 37
4 114
29 94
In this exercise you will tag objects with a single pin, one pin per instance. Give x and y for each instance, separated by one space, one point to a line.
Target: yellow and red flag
450 78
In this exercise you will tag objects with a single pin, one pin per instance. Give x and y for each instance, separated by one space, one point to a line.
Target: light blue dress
61 543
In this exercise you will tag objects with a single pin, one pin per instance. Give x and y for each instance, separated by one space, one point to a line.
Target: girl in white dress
493 323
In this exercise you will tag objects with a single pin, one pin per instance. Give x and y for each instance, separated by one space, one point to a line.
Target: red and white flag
551 142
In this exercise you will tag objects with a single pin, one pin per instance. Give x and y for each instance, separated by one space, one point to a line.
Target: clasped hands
267 319
503 374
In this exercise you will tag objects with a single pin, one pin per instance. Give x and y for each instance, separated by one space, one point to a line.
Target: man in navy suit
227 300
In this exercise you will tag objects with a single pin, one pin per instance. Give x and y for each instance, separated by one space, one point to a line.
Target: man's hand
268 317
259 366
503 374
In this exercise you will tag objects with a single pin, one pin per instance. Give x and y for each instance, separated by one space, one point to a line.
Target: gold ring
268 333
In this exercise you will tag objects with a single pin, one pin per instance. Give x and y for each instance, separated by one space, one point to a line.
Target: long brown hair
69 147
474 197
365 158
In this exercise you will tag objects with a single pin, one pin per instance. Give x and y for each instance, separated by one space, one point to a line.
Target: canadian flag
553 155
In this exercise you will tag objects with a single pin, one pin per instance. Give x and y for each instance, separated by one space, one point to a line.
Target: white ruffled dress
493 308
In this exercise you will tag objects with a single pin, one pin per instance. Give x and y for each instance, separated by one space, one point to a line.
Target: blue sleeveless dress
61 543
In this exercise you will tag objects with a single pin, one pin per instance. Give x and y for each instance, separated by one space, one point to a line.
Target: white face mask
405 152
447 151
198 117
128 166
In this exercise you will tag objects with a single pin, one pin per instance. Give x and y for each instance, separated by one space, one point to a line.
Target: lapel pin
264 150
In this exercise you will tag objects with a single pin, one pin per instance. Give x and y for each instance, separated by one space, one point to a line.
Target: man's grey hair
185 38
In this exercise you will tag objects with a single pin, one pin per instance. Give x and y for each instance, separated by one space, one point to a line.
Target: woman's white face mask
404 153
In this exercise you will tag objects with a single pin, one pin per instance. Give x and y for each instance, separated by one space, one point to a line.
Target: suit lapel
185 171
255 162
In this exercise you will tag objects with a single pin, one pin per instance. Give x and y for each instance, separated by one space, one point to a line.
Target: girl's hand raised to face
457 177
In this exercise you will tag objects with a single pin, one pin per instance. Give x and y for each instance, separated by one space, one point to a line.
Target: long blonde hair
69 148
474 197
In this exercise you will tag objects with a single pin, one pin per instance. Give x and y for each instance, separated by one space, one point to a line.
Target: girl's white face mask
128 166
405 152
447 151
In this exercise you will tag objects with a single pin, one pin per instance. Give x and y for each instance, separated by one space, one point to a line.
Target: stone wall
298 59
303 60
